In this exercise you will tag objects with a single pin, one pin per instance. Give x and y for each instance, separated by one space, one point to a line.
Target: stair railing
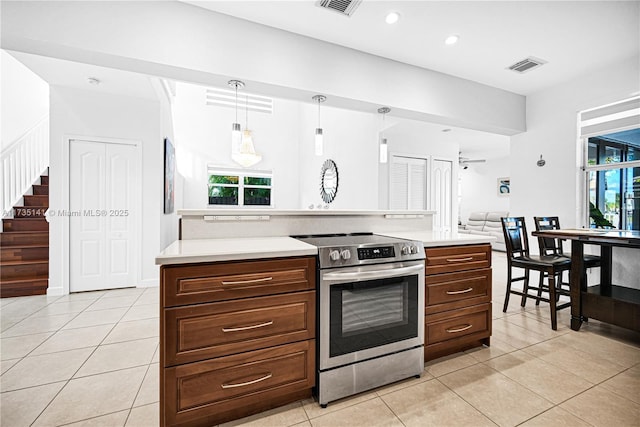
22 162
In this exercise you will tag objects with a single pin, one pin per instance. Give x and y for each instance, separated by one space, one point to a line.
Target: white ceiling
574 37
58 72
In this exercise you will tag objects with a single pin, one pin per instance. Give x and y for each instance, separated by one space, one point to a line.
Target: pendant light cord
319 112
236 103
246 110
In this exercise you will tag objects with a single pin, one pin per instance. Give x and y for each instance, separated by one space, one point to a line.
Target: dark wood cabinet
457 299
236 338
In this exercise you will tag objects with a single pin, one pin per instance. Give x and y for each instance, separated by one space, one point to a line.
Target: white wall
183 42
552 131
24 99
478 187
285 139
350 141
417 139
203 136
82 113
168 222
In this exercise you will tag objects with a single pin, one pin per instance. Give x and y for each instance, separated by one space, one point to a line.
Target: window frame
241 186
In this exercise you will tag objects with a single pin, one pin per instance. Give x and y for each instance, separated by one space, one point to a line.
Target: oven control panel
376 253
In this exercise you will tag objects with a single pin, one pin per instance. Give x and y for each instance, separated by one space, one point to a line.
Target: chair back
515 236
548 245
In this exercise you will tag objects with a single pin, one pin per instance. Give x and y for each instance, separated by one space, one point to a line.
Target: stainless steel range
371 312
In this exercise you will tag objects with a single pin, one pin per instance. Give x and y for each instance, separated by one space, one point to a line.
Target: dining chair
549 266
550 246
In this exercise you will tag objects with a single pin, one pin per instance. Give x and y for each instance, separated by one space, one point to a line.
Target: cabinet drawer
205 393
455 290
455 324
457 258
221 281
212 330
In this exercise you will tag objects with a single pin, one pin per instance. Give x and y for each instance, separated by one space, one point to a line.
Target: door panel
102 213
442 194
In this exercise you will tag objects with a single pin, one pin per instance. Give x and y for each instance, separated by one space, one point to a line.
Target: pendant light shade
384 150
236 134
246 155
319 138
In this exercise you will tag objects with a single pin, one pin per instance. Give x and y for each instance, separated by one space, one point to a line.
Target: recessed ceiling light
452 39
392 17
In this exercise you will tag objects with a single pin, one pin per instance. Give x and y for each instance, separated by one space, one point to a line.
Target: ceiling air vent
344 7
527 64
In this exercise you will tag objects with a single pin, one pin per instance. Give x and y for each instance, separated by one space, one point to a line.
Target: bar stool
549 266
550 246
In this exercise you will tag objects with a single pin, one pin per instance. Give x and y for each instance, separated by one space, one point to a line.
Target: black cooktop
346 239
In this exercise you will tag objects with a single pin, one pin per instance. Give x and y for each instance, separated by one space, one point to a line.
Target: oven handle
374 274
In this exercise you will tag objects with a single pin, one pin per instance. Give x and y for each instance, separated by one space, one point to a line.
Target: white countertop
241 248
244 248
440 238
298 212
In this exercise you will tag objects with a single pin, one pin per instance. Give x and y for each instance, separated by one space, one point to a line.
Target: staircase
24 246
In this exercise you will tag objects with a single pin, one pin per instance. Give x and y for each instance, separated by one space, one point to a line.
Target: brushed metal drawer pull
242 282
245 328
460 259
464 291
454 330
266 377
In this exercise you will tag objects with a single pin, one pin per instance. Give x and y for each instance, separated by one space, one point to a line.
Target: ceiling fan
465 161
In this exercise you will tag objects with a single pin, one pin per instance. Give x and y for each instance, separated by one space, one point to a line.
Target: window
234 187
611 136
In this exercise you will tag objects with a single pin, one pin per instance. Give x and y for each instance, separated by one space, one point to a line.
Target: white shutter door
408 183
399 186
418 185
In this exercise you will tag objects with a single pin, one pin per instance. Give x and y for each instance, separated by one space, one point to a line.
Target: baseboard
55 292
149 283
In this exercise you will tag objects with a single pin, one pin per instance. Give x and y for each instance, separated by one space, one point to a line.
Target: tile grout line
77 370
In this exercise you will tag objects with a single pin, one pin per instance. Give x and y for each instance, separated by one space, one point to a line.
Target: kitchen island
238 314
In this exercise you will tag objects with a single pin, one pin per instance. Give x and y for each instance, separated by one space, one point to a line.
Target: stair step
23 287
29 211
40 190
36 200
24 253
25 224
44 179
12 270
24 238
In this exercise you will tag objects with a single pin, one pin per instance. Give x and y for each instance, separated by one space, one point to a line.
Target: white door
442 194
407 183
102 239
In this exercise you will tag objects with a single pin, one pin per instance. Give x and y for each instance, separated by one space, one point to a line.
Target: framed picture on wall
504 186
169 176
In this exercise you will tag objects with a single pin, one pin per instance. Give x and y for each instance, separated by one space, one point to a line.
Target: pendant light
319 143
383 141
236 134
246 155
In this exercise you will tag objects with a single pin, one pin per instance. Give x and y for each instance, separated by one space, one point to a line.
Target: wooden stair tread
22 245
23 279
29 262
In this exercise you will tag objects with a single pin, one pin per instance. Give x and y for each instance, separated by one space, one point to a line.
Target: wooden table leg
605 269
577 283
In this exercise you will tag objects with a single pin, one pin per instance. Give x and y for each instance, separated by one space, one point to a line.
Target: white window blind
610 118
407 183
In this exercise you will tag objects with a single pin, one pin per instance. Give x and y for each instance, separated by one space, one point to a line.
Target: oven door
370 311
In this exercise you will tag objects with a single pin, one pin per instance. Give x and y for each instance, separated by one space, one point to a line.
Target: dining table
614 303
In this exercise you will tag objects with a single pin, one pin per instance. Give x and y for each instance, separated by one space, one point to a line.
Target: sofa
486 224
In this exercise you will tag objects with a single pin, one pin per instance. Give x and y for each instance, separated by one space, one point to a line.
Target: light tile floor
91 359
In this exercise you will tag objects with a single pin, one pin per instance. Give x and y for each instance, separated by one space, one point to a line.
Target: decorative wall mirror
328 181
